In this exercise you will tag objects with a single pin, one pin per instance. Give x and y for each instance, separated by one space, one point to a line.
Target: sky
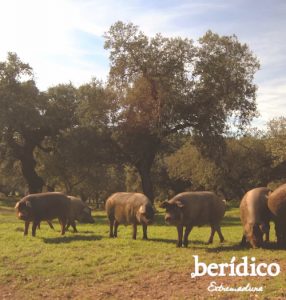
62 40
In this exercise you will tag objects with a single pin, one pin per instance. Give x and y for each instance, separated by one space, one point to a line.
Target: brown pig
191 209
255 216
43 207
277 205
78 211
129 208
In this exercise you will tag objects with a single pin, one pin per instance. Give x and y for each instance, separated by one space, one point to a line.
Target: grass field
89 265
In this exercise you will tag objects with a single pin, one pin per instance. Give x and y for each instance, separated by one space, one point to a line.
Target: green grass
49 265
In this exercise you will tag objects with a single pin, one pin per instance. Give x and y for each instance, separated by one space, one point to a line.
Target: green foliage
188 164
164 85
161 93
60 111
225 69
245 165
132 179
11 179
276 139
275 142
82 162
28 116
179 85
96 105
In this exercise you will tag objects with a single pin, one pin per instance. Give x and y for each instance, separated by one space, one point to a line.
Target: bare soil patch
163 285
170 285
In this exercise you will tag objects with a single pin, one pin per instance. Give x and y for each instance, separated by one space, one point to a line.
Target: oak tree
166 85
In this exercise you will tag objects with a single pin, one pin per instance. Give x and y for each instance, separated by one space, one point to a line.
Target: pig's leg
145 232
73 226
34 227
50 224
283 238
212 235
243 241
27 223
116 224
278 233
111 221
180 235
39 227
186 235
218 230
267 237
267 233
134 231
63 225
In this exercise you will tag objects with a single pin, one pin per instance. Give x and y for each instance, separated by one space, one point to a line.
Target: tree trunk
145 175
28 164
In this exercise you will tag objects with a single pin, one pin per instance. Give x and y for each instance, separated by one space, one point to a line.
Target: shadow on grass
168 241
81 231
69 239
227 221
159 220
272 246
238 247
223 248
103 220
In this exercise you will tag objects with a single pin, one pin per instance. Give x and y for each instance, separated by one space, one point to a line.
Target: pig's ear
164 204
142 209
179 204
28 204
17 205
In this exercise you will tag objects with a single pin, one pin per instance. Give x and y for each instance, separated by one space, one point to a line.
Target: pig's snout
21 216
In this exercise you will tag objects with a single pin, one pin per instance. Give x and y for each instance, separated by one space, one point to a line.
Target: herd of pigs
186 210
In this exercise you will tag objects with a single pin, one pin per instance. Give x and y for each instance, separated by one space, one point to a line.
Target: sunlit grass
91 257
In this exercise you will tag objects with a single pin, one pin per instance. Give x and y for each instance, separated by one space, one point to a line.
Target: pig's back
253 207
200 208
48 206
123 206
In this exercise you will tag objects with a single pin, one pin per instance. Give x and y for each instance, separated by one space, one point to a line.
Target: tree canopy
166 85
28 116
163 117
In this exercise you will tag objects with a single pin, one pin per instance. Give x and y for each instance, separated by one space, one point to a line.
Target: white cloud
272 99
